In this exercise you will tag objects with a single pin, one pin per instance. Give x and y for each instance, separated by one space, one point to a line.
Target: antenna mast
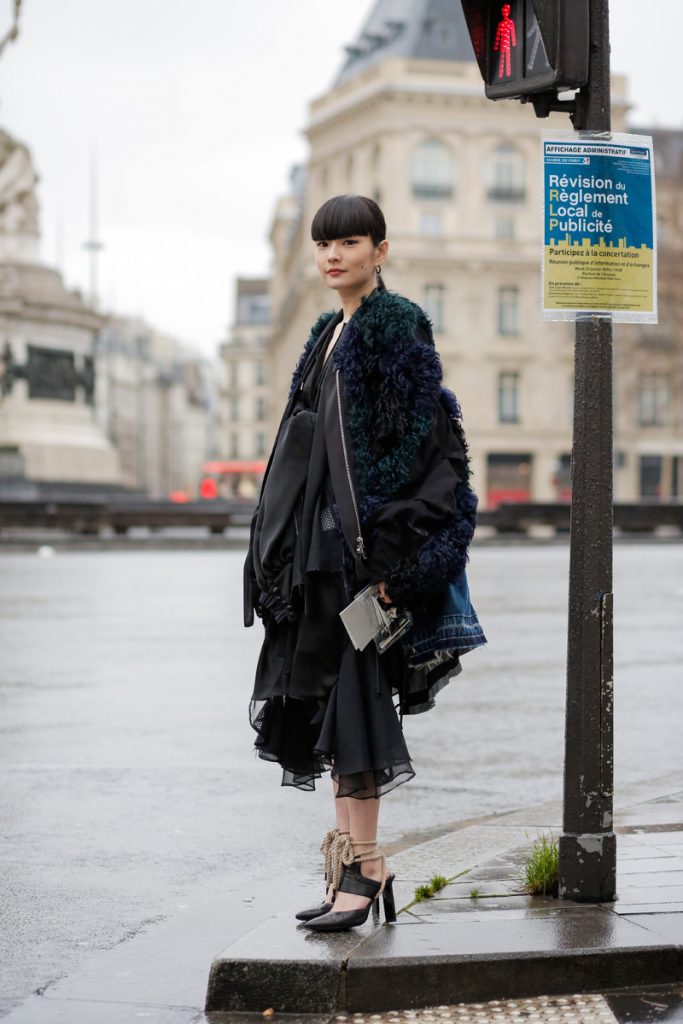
93 244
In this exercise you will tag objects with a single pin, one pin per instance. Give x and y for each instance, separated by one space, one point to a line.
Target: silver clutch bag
367 618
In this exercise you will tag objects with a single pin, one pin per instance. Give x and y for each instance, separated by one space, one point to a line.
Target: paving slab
502 910
668 925
669 877
639 850
460 850
632 909
650 894
629 866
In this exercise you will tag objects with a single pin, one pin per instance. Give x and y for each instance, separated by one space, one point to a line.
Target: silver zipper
360 544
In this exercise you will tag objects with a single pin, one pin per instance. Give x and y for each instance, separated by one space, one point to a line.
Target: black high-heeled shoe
330 851
313 912
353 881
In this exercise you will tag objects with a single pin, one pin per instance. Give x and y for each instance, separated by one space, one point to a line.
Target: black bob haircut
345 216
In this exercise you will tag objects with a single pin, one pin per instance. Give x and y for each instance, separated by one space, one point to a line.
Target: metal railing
217 516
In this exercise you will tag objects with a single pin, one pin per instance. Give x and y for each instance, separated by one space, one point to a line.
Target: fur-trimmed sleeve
397 529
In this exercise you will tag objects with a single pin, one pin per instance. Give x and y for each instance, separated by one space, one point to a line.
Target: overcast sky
196 110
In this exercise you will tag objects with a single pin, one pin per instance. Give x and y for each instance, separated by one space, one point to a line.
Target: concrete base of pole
588 867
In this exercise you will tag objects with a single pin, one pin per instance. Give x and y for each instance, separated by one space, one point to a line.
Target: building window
260 445
376 172
504 227
431 225
562 479
260 374
508 310
348 174
650 476
234 409
433 304
432 171
508 397
261 412
505 174
234 446
253 309
234 377
653 399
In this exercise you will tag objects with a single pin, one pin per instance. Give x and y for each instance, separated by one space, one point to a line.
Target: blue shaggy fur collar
392 382
391 377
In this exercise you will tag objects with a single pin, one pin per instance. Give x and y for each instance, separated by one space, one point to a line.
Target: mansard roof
423 29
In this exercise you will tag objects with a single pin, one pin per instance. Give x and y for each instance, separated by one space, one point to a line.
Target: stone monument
48 431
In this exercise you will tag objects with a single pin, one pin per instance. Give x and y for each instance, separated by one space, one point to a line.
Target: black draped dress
317 703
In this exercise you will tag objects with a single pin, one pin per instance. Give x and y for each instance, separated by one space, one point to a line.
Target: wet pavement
140 836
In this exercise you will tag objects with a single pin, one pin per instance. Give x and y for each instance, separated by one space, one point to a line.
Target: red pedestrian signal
506 38
527 47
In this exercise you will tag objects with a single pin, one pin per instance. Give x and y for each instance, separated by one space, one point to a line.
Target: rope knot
343 856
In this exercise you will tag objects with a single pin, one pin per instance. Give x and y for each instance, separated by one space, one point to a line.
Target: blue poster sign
599 247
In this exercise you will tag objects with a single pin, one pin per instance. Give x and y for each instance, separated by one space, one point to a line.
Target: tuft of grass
430 888
475 894
541 872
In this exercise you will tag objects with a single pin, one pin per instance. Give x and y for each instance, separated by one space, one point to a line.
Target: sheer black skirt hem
306 738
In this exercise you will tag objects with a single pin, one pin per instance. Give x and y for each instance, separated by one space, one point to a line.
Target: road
126 755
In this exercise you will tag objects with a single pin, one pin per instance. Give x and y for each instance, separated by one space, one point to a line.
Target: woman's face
349 263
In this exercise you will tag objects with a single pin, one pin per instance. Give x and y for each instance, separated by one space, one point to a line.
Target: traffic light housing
528 47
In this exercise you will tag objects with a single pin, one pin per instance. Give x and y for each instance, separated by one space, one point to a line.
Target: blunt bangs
345 216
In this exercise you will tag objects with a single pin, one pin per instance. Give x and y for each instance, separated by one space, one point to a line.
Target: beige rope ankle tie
329 849
350 850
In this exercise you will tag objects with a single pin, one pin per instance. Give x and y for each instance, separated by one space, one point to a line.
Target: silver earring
378 270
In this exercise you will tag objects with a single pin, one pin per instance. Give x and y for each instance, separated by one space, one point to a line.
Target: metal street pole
588 844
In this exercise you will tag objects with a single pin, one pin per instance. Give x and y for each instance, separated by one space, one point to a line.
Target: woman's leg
341 811
341 808
362 822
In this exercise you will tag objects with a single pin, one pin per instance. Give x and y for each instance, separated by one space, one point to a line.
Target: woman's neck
351 302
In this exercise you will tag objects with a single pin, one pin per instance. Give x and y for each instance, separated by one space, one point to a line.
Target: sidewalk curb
357 983
453 979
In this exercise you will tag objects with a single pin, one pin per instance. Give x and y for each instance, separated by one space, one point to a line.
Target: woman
367 484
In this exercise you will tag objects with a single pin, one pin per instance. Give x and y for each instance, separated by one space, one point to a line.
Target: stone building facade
649 358
48 430
245 391
156 401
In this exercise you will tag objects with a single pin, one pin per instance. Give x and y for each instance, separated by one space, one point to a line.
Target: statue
18 203
13 30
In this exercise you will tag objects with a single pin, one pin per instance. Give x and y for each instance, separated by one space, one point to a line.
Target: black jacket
396 451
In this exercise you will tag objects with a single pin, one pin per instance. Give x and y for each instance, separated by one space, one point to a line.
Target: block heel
388 901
